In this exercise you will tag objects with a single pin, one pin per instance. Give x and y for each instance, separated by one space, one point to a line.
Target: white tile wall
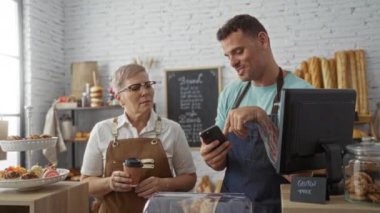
181 33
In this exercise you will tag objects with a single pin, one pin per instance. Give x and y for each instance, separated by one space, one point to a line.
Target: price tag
308 189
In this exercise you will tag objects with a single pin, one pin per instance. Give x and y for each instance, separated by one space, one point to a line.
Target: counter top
66 195
336 204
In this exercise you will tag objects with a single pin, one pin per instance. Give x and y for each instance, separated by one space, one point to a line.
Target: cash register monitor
314 127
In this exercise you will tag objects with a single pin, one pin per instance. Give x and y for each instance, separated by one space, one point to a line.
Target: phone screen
212 133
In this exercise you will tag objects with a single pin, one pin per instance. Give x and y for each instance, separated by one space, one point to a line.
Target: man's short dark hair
247 24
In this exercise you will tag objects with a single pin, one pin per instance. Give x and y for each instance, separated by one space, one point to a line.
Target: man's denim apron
249 169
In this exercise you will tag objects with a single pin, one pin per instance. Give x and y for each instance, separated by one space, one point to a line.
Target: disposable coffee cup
133 167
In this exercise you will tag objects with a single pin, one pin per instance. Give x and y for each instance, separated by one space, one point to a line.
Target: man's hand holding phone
214 147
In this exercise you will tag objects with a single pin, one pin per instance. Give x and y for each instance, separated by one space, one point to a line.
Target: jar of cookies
362 173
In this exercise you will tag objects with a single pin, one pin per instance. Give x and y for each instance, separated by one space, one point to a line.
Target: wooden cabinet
61 197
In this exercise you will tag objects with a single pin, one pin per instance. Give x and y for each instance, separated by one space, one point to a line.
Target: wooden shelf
363 119
77 140
90 108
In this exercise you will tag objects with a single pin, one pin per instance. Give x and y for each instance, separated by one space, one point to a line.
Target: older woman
139 132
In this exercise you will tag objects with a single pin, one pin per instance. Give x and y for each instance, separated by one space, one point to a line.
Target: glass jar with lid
362 173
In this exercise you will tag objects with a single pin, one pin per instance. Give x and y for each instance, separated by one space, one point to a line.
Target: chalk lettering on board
192 97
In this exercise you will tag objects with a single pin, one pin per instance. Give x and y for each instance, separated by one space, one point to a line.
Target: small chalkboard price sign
308 189
192 99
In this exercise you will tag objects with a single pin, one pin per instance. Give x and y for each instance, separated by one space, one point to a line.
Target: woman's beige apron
121 149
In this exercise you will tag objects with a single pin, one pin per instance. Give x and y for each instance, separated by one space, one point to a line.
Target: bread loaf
304 67
354 77
332 66
218 186
326 74
362 82
315 72
204 185
308 77
298 73
341 67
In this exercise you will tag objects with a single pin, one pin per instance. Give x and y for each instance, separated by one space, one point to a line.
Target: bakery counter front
174 202
61 197
336 204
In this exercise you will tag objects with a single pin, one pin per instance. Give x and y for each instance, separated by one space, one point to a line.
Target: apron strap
114 132
241 95
157 128
276 100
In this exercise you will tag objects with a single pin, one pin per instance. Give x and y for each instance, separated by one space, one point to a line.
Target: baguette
341 67
308 77
326 74
315 72
362 81
333 76
204 185
304 67
298 73
354 77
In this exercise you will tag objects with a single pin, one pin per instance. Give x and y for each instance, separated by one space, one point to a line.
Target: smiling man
251 99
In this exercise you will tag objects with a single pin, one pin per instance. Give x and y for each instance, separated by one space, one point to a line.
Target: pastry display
362 181
29 175
50 171
29 137
82 136
13 172
74 174
33 137
37 170
20 178
45 136
204 185
18 172
11 175
96 95
14 137
201 205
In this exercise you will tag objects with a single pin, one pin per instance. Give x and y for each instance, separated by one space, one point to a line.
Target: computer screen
310 119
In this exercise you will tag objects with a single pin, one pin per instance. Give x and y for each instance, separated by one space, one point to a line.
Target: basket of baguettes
347 70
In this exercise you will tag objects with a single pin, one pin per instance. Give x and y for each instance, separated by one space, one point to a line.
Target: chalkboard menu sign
192 99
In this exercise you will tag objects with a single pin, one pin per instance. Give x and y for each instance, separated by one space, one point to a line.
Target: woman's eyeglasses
137 87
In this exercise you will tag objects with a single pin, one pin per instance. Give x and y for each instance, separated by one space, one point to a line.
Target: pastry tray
187 202
32 184
27 144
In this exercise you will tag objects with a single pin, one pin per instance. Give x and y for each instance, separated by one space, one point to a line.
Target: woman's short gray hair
123 73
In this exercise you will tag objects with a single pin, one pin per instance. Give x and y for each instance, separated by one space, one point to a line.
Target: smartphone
212 133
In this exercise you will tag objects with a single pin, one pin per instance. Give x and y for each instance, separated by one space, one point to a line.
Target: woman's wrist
109 187
165 184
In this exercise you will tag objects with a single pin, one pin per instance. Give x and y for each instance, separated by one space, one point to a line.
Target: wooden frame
192 92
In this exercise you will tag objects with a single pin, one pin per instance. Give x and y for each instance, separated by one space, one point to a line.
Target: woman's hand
151 185
120 182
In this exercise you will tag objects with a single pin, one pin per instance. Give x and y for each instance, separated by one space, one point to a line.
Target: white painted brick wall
44 56
181 33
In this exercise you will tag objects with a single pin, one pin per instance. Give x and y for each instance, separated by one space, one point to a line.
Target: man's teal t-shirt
255 96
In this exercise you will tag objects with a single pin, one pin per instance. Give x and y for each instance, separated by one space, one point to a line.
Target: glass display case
180 202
